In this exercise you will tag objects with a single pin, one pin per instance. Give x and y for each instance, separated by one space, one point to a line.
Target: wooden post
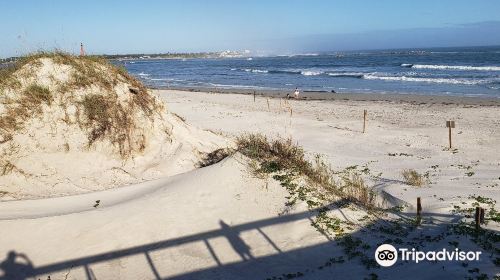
481 216
364 120
419 211
449 135
419 206
254 96
269 109
291 112
477 218
450 125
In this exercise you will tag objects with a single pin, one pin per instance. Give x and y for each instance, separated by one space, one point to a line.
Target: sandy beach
398 134
161 216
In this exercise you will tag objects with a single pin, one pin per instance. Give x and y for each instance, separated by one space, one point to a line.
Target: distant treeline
144 56
164 55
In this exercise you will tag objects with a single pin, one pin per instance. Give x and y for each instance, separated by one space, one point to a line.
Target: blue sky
266 26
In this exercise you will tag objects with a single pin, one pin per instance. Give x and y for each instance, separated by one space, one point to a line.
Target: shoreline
328 96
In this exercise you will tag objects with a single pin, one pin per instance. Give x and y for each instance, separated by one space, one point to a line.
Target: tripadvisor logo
387 255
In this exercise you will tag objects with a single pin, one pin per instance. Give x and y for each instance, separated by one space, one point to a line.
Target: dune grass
26 106
288 161
36 95
413 178
99 117
106 117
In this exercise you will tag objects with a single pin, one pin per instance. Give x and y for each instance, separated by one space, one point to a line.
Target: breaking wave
311 73
452 67
255 70
425 80
347 75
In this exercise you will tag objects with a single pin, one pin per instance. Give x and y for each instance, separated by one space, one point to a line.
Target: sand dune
76 125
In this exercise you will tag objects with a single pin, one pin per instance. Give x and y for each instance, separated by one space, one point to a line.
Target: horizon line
254 52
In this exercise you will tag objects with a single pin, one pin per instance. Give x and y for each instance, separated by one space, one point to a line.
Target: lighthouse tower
82 51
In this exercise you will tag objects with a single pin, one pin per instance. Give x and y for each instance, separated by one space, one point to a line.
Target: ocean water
440 71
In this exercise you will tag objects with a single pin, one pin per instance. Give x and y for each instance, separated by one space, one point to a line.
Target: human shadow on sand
16 266
312 260
236 242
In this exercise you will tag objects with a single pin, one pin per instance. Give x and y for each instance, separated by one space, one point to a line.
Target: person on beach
296 93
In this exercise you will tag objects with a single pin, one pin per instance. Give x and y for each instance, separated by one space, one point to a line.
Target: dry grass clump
282 156
36 95
214 157
413 178
106 117
99 116
354 186
27 105
276 155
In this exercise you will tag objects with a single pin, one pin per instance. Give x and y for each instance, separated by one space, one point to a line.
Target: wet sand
324 95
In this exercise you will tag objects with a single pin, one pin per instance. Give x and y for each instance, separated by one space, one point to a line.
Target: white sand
203 224
333 129
180 213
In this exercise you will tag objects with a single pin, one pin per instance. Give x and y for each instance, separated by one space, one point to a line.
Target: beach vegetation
413 178
6 167
27 105
287 162
36 95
